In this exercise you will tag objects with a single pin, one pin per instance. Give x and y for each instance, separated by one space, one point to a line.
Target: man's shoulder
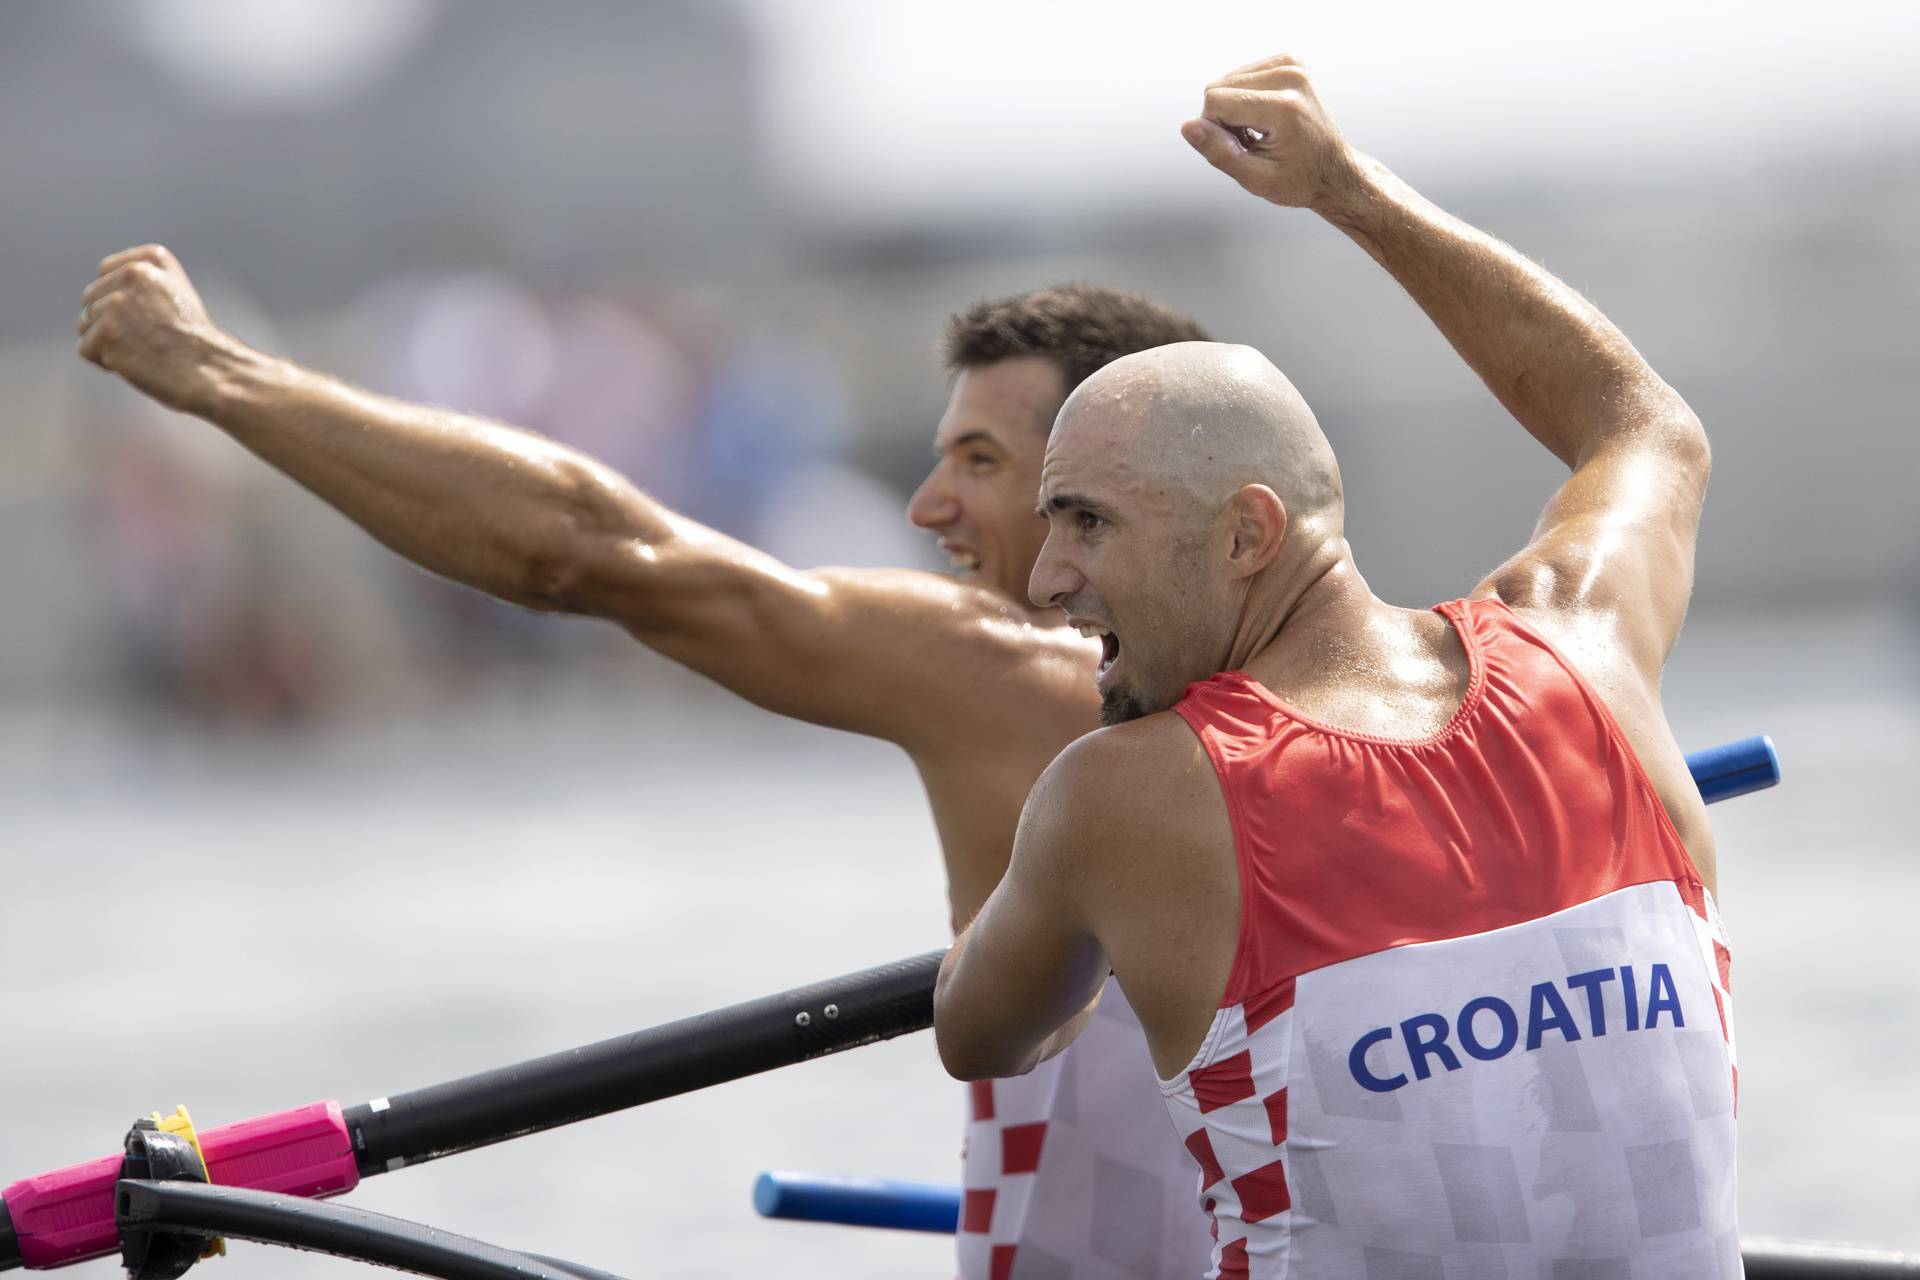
1150 743
1128 813
1141 778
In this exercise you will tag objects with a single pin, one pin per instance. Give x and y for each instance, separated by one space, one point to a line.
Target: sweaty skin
979 687
1194 513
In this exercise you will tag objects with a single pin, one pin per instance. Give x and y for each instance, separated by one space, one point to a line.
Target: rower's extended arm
533 522
1619 535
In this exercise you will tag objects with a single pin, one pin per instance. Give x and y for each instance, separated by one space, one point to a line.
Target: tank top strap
1488 629
1230 699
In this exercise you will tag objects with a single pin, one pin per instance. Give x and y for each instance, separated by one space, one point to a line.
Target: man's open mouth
1109 645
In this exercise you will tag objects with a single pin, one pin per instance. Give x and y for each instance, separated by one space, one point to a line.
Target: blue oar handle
857 1202
1735 768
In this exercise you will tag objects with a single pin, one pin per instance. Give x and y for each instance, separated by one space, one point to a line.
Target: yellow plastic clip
182 1123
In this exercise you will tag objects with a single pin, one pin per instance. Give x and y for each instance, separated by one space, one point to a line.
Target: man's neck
1303 613
1341 655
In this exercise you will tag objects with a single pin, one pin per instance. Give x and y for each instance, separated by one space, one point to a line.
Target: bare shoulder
1131 823
1614 548
1598 640
1138 785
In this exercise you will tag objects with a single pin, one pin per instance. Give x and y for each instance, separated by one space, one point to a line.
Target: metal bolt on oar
322 1149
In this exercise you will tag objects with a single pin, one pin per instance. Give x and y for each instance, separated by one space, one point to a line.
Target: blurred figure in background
979 687
197 615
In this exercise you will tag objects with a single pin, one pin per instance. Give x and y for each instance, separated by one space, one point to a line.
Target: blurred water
245 924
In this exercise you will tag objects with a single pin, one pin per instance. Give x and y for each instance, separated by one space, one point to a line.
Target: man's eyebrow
1066 502
965 438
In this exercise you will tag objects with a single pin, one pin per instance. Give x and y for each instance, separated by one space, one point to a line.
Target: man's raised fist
143 320
1264 126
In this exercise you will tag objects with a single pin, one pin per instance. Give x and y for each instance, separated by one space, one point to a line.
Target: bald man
1414 906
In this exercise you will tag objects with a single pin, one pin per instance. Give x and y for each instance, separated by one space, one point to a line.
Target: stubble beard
1117 706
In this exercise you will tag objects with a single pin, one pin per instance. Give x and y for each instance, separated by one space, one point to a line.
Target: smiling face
987 450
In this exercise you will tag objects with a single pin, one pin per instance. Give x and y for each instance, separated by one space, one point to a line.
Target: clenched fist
143 320
1263 126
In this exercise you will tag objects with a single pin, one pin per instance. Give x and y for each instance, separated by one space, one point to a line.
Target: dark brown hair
1080 327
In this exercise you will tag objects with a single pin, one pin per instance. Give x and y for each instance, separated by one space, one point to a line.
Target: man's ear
1257 520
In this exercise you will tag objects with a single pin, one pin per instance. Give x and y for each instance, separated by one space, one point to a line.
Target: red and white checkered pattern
1072 1172
1232 1117
999 1180
1707 926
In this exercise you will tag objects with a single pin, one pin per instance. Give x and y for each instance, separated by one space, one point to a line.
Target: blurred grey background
413 833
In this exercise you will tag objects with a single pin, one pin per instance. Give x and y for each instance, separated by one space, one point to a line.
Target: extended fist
143 320
1263 126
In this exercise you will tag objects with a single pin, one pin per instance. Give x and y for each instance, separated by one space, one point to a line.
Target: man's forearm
1559 366
487 505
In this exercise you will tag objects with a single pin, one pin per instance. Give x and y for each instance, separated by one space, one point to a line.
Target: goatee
1118 707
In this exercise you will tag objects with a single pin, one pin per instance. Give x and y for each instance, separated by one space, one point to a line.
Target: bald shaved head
1174 480
1210 417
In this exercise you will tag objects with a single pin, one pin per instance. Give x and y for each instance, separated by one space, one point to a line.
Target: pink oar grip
67 1215
303 1151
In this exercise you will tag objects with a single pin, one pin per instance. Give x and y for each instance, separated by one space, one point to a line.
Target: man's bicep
1617 539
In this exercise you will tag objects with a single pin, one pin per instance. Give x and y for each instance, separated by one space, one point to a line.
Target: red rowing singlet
1478 1021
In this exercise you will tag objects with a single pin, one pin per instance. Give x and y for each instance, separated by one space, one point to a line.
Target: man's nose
1053 578
932 505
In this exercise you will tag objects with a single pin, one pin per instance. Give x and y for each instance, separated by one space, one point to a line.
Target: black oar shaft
679 1057
1783 1260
